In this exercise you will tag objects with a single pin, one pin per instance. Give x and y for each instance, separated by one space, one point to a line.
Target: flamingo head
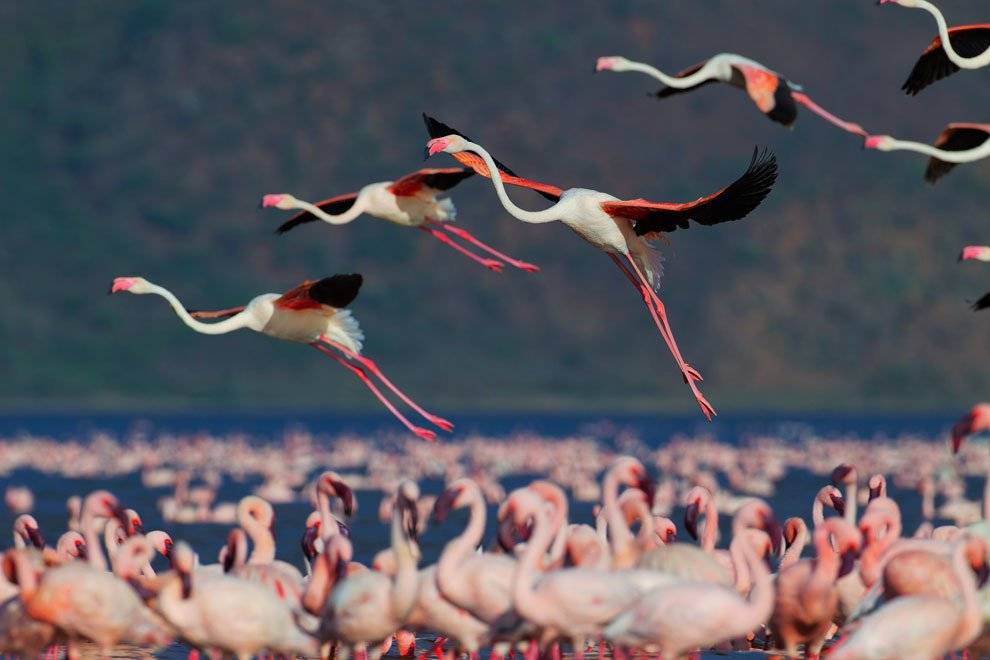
612 63
134 523
405 500
457 495
831 496
308 541
130 284
103 504
977 252
844 474
976 556
27 528
162 543
665 529
632 473
878 486
792 527
331 483
450 144
283 201
184 563
878 142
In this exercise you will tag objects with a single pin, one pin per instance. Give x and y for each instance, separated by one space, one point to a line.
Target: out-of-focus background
138 136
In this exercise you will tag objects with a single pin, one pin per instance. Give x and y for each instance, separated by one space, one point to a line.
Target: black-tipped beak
168 553
775 532
443 505
839 504
308 543
37 540
186 579
848 563
649 487
982 573
506 535
82 550
121 515
346 496
407 508
691 520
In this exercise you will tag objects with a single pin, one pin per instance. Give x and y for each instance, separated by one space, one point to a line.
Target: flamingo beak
121 284
37 540
839 504
649 487
775 532
436 145
959 434
137 527
168 552
691 520
346 496
506 535
82 550
848 562
186 579
308 543
872 141
874 493
344 530
444 504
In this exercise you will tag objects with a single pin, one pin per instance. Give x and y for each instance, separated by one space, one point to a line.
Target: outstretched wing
437 179
671 91
336 291
438 129
333 206
955 137
982 303
934 64
730 203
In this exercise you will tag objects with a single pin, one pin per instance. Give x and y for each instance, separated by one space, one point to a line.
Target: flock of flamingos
625 582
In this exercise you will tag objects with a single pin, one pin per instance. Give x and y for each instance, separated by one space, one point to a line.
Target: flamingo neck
870 561
462 547
235 322
852 488
817 512
328 526
966 156
620 535
740 564
826 566
761 596
525 597
706 72
711 526
341 218
261 537
111 542
535 217
27 579
405 579
793 553
94 549
971 622
975 62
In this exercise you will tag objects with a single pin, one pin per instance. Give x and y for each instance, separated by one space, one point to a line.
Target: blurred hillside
137 137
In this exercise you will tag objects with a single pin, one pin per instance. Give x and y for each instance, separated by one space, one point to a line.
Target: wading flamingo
410 202
312 313
774 95
620 228
960 47
958 143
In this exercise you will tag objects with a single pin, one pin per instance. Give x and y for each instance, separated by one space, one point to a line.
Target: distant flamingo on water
312 313
774 95
620 228
959 47
411 202
958 143
977 253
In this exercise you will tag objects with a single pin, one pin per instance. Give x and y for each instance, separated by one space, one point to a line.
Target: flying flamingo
774 95
958 143
312 313
410 202
978 253
620 228
959 47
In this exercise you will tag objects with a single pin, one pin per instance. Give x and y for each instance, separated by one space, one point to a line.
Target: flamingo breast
583 214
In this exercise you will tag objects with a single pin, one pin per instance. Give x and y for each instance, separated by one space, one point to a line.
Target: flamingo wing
982 303
955 137
734 201
934 64
333 206
436 179
336 291
671 91
439 129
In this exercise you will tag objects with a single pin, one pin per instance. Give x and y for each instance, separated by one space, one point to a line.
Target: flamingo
410 202
846 474
806 597
959 47
795 538
975 421
26 532
774 95
919 627
683 616
827 496
312 313
621 229
958 143
368 606
20 633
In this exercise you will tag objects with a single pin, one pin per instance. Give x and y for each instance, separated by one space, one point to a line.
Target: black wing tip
981 304
337 290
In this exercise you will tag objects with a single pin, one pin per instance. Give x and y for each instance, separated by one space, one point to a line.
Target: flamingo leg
658 312
849 126
370 365
463 234
490 264
426 434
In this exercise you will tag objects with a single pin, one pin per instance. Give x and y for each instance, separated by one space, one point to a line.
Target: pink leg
849 126
426 434
373 368
656 308
465 235
490 264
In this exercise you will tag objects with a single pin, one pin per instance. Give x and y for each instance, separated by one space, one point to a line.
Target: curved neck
620 536
405 580
711 526
536 217
826 567
740 564
851 502
27 579
761 597
966 156
699 76
972 616
264 544
461 547
341 219
975 62
525 598
793 552
112 541
870 560
94 549
235 322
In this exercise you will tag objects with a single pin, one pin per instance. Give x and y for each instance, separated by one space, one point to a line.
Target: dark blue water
793 497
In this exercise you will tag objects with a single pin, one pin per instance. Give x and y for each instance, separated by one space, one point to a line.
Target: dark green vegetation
136 137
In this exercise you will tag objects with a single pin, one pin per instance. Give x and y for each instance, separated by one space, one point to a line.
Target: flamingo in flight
955 48
620 228
312 313
978 253
410 202
774 95
958 143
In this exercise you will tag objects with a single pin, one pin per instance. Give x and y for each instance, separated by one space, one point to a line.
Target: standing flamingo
958 143
410 202
620 228
773 94
312 313
959 47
